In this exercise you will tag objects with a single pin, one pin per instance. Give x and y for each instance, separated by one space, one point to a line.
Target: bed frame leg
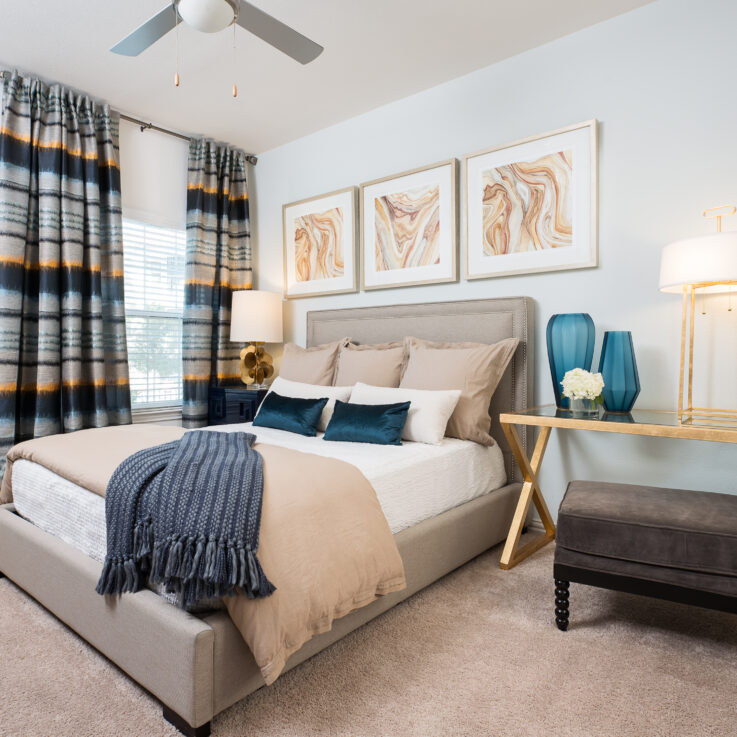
561 604
184 726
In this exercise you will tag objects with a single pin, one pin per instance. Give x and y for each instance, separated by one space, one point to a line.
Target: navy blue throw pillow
292 414
381 424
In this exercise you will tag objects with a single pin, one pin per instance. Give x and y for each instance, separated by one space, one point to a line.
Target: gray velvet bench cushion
671 544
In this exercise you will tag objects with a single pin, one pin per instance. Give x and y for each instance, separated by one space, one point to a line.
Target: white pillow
287 388
429 410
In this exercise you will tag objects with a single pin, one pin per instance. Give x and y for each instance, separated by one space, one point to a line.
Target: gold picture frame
321 216
479 259
409 267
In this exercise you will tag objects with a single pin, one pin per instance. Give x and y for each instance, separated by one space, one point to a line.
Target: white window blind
154 302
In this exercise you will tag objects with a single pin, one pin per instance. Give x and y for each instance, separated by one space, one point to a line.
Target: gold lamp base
256 364
688 414
709 417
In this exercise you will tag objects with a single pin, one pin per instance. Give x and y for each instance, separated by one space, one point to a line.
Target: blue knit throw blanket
187 514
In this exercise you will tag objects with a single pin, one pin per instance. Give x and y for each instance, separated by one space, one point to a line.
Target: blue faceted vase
570 340
619 371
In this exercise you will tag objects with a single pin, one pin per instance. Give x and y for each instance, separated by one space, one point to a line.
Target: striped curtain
218 263
63 357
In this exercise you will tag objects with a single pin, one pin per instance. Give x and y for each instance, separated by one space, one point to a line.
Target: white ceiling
376 51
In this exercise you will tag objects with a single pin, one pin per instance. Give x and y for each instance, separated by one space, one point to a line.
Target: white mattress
413 482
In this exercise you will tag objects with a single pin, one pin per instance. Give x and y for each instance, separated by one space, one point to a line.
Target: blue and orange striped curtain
63 356
218 263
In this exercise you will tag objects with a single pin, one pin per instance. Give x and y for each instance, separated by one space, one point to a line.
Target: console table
653 423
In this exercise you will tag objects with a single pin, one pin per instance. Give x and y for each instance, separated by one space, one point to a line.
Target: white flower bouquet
580 384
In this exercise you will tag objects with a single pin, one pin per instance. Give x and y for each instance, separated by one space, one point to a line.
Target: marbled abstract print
407 228
528 205
318 245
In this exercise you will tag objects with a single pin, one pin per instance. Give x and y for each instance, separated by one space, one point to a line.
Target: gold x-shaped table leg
511 554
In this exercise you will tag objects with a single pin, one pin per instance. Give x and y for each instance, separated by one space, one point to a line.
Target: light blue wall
660 81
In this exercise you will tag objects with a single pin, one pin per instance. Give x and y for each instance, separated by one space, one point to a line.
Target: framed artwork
409 228
320 245
531 205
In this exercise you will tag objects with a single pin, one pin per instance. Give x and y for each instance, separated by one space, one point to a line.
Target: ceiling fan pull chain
235 66
176 31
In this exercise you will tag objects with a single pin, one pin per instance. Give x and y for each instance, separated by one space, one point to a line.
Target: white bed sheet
413 482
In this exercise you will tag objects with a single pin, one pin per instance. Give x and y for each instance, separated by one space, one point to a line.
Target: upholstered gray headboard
481 320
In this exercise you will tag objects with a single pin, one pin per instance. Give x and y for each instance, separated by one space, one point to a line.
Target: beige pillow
474 368
378 365
314 365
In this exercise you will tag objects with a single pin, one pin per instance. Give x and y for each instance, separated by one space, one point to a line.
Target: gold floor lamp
256 317
704 265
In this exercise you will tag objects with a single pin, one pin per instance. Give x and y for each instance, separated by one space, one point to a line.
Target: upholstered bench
666 543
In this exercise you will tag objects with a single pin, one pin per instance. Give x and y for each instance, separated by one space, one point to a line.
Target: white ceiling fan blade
278 34
148 33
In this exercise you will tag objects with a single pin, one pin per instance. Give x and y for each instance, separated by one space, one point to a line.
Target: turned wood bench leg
185 727
561 604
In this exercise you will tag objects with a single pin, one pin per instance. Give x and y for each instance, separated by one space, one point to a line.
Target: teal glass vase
618 368
570 339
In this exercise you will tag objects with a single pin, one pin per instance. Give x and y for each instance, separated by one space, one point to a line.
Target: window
154 302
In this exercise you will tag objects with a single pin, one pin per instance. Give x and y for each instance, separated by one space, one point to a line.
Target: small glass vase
584 408
618 368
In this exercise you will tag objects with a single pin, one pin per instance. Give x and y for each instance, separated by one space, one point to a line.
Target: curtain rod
144 126
250 158
151 127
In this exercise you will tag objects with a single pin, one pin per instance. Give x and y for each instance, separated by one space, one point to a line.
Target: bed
198 665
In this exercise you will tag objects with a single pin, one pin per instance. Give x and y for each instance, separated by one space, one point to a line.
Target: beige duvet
325 543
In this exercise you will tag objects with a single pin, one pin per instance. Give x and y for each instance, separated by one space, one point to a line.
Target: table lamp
708 265
256 318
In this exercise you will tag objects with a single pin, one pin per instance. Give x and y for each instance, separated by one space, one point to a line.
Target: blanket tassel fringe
192 566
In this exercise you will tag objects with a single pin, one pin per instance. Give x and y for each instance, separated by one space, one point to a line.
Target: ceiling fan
211 16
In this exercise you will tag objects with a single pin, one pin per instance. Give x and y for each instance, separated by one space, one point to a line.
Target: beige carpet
475 654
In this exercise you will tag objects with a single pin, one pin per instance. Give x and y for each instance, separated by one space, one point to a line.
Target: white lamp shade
256 316
710 258
209 16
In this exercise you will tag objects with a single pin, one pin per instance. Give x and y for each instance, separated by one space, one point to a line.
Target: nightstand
232 404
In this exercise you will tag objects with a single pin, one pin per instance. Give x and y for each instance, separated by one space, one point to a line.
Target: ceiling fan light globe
209 16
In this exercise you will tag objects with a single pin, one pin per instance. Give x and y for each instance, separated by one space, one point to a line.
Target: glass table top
639 422
636 416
